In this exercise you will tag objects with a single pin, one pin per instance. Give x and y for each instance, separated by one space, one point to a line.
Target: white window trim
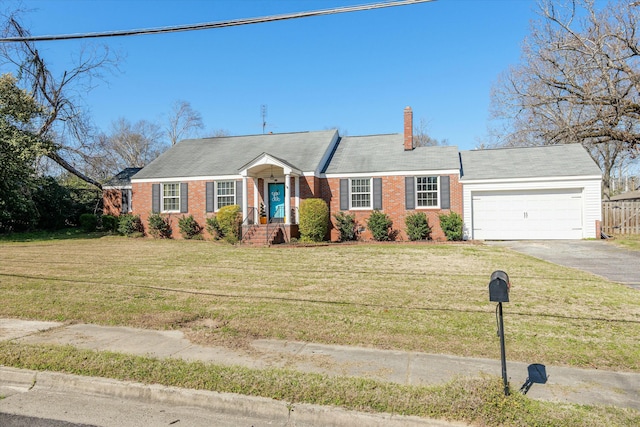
216 195
361 208
437 192
162 197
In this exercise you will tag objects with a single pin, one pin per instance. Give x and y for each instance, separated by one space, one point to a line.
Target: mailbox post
499 292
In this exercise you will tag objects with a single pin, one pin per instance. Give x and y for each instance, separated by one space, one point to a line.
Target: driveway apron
593 256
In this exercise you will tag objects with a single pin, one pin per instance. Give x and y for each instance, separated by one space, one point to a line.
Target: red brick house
538 192
277 171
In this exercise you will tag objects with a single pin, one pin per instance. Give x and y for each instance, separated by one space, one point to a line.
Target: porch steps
257 235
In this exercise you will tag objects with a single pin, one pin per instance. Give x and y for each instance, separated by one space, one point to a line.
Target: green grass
428 298
629 241
479 401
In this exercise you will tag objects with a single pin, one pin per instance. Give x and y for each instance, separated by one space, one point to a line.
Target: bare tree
64 123
127 145
421 136
578 82
183 121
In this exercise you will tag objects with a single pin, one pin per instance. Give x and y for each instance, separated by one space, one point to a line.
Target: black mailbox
499 287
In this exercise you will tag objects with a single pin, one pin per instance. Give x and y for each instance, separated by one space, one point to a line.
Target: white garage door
527 214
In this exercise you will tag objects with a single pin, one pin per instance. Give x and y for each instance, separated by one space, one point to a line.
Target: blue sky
354 71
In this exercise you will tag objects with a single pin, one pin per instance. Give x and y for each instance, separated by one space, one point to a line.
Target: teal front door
276 202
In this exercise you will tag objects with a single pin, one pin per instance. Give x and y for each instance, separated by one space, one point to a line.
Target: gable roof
122 178
528 162
385 153
223 156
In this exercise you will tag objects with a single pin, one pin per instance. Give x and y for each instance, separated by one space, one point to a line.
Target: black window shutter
155 198
209 197
344 194
409 192
239 193
184 197
377 193
124 201
445 193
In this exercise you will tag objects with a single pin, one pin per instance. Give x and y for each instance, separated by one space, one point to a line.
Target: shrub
159 226
109 223
314 220
451 226
346 225
189 227
379 224
130 225
226 224
417 226
88 222
213 228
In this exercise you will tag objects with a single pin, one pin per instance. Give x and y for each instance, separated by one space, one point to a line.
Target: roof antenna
263 110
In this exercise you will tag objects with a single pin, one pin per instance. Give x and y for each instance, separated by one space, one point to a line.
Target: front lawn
420 297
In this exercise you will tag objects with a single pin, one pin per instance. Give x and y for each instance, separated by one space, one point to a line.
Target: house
360 174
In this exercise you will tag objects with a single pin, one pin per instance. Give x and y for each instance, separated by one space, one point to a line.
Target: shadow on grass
43 236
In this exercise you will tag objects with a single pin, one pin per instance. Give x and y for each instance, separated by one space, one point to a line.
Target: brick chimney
408 129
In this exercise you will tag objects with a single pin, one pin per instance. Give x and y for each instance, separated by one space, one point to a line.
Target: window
360 193
427 191
225 193
171 197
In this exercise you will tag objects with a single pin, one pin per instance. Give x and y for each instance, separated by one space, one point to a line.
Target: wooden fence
621 218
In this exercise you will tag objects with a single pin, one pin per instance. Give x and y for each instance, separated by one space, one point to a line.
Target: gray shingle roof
123 178
528 162
225 155
385 153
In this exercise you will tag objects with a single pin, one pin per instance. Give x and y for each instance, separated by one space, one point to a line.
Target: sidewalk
562 384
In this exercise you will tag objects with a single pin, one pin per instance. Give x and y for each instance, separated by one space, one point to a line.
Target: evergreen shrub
189 228
314 220
379 224
88 222
159 226
130 225
417 226
346 225
451 225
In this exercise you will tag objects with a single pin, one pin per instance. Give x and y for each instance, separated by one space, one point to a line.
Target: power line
212 25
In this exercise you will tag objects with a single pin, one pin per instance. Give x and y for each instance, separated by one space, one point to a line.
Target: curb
280 412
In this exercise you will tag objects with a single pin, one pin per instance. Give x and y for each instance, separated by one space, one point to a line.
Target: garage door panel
527 214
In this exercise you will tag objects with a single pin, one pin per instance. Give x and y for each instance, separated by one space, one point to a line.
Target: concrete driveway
594 256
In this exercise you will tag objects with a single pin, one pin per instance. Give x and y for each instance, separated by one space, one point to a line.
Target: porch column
245 199
296 181
287 199
256 194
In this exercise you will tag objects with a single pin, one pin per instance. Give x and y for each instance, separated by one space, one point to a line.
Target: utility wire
211 25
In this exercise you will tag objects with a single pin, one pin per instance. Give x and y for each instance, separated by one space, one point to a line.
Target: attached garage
550 192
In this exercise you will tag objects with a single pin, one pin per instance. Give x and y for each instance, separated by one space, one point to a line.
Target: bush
213 228
346 225
88 222
451 226
189 228
417 226
379 224
314 220
109 223
130 225
160 226
226 224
